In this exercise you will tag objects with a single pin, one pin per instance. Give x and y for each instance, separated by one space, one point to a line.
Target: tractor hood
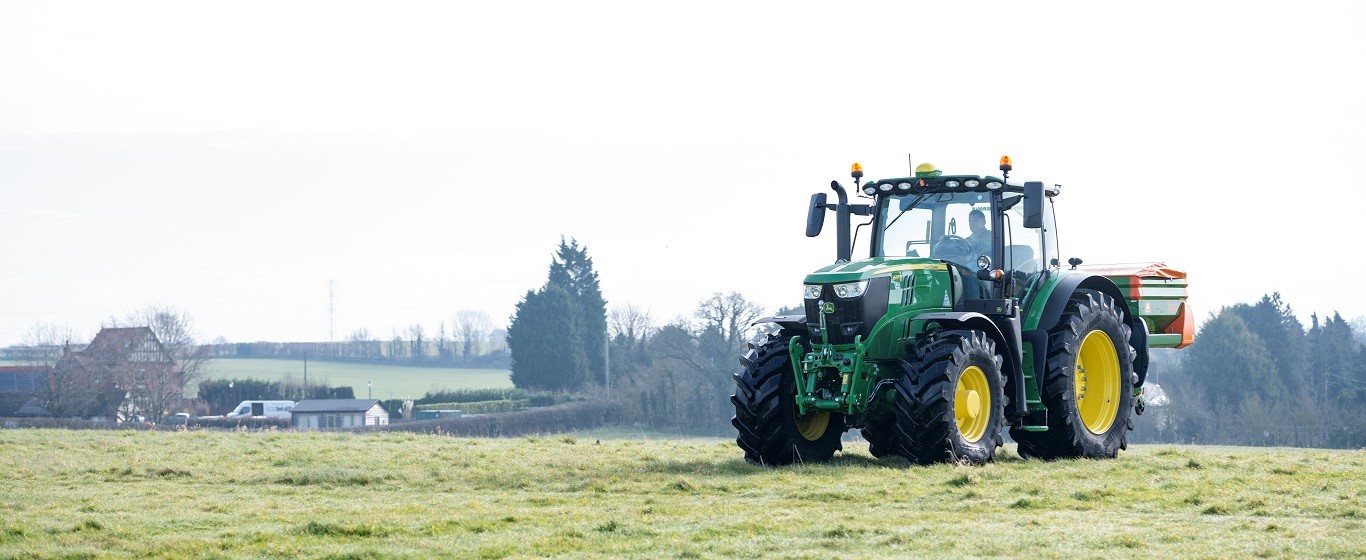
870 268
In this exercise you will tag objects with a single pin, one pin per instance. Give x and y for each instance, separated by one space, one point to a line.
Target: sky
241 161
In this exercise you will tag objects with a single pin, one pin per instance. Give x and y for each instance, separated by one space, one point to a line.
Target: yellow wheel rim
812 426
1097 382
972 404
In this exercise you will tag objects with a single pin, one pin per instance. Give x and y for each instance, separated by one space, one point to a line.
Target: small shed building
338 413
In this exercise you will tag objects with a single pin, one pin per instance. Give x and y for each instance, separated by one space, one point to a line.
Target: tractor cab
950 218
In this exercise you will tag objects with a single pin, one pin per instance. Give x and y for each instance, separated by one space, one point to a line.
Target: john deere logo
828 307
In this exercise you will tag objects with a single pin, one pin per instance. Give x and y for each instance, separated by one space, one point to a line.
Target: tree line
1257 376
471 341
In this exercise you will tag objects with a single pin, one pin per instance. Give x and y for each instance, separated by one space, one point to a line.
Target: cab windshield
937 225
955 227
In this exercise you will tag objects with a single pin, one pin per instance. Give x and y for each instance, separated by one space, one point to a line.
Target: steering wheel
952 248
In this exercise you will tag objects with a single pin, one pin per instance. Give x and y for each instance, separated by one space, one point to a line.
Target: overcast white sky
231 158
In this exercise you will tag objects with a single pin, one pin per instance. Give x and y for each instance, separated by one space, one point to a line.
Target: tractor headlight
885 187
972 183
994 185
851 289
869 190
951 184
904 186
813 291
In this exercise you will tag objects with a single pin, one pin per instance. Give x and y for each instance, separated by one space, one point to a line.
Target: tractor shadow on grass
737 466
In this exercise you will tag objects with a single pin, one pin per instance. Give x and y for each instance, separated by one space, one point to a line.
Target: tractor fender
968 318
1009 345
795 323
1057 301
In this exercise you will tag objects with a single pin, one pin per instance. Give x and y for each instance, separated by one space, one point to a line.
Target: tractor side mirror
1033 204
815 215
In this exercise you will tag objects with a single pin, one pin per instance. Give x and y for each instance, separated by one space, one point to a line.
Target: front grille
853 316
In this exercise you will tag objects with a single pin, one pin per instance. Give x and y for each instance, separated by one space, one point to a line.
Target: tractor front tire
1088 386
770 432
950 403
881 436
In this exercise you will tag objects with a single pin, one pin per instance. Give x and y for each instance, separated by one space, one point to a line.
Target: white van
256 409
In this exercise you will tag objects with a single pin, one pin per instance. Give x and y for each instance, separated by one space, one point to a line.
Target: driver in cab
980 240
965 250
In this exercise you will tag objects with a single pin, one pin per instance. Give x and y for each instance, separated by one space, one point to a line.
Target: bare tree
416 340
396 346
725 322
363 345
65 391
630 321
495 340
160 390
471 328
442 352
44 343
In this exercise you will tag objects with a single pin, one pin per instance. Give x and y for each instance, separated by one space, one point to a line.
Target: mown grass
399 495
390 381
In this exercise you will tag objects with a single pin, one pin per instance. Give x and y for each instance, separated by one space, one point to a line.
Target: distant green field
223 494
390 381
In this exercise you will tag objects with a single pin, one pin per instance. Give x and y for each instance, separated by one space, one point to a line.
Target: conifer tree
540 344
571 269
1230 363
557 335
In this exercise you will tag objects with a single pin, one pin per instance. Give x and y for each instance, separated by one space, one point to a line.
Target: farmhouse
123 371
339 413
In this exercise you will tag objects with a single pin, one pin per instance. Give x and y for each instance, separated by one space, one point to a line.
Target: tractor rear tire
950 403
1088 386
765 402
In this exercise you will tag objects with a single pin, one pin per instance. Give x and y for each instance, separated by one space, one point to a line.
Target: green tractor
960 325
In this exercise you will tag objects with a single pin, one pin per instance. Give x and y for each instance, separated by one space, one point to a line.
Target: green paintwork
918 285
869 268
1034 314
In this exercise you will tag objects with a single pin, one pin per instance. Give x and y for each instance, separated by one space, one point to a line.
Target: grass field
391 381
265 495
